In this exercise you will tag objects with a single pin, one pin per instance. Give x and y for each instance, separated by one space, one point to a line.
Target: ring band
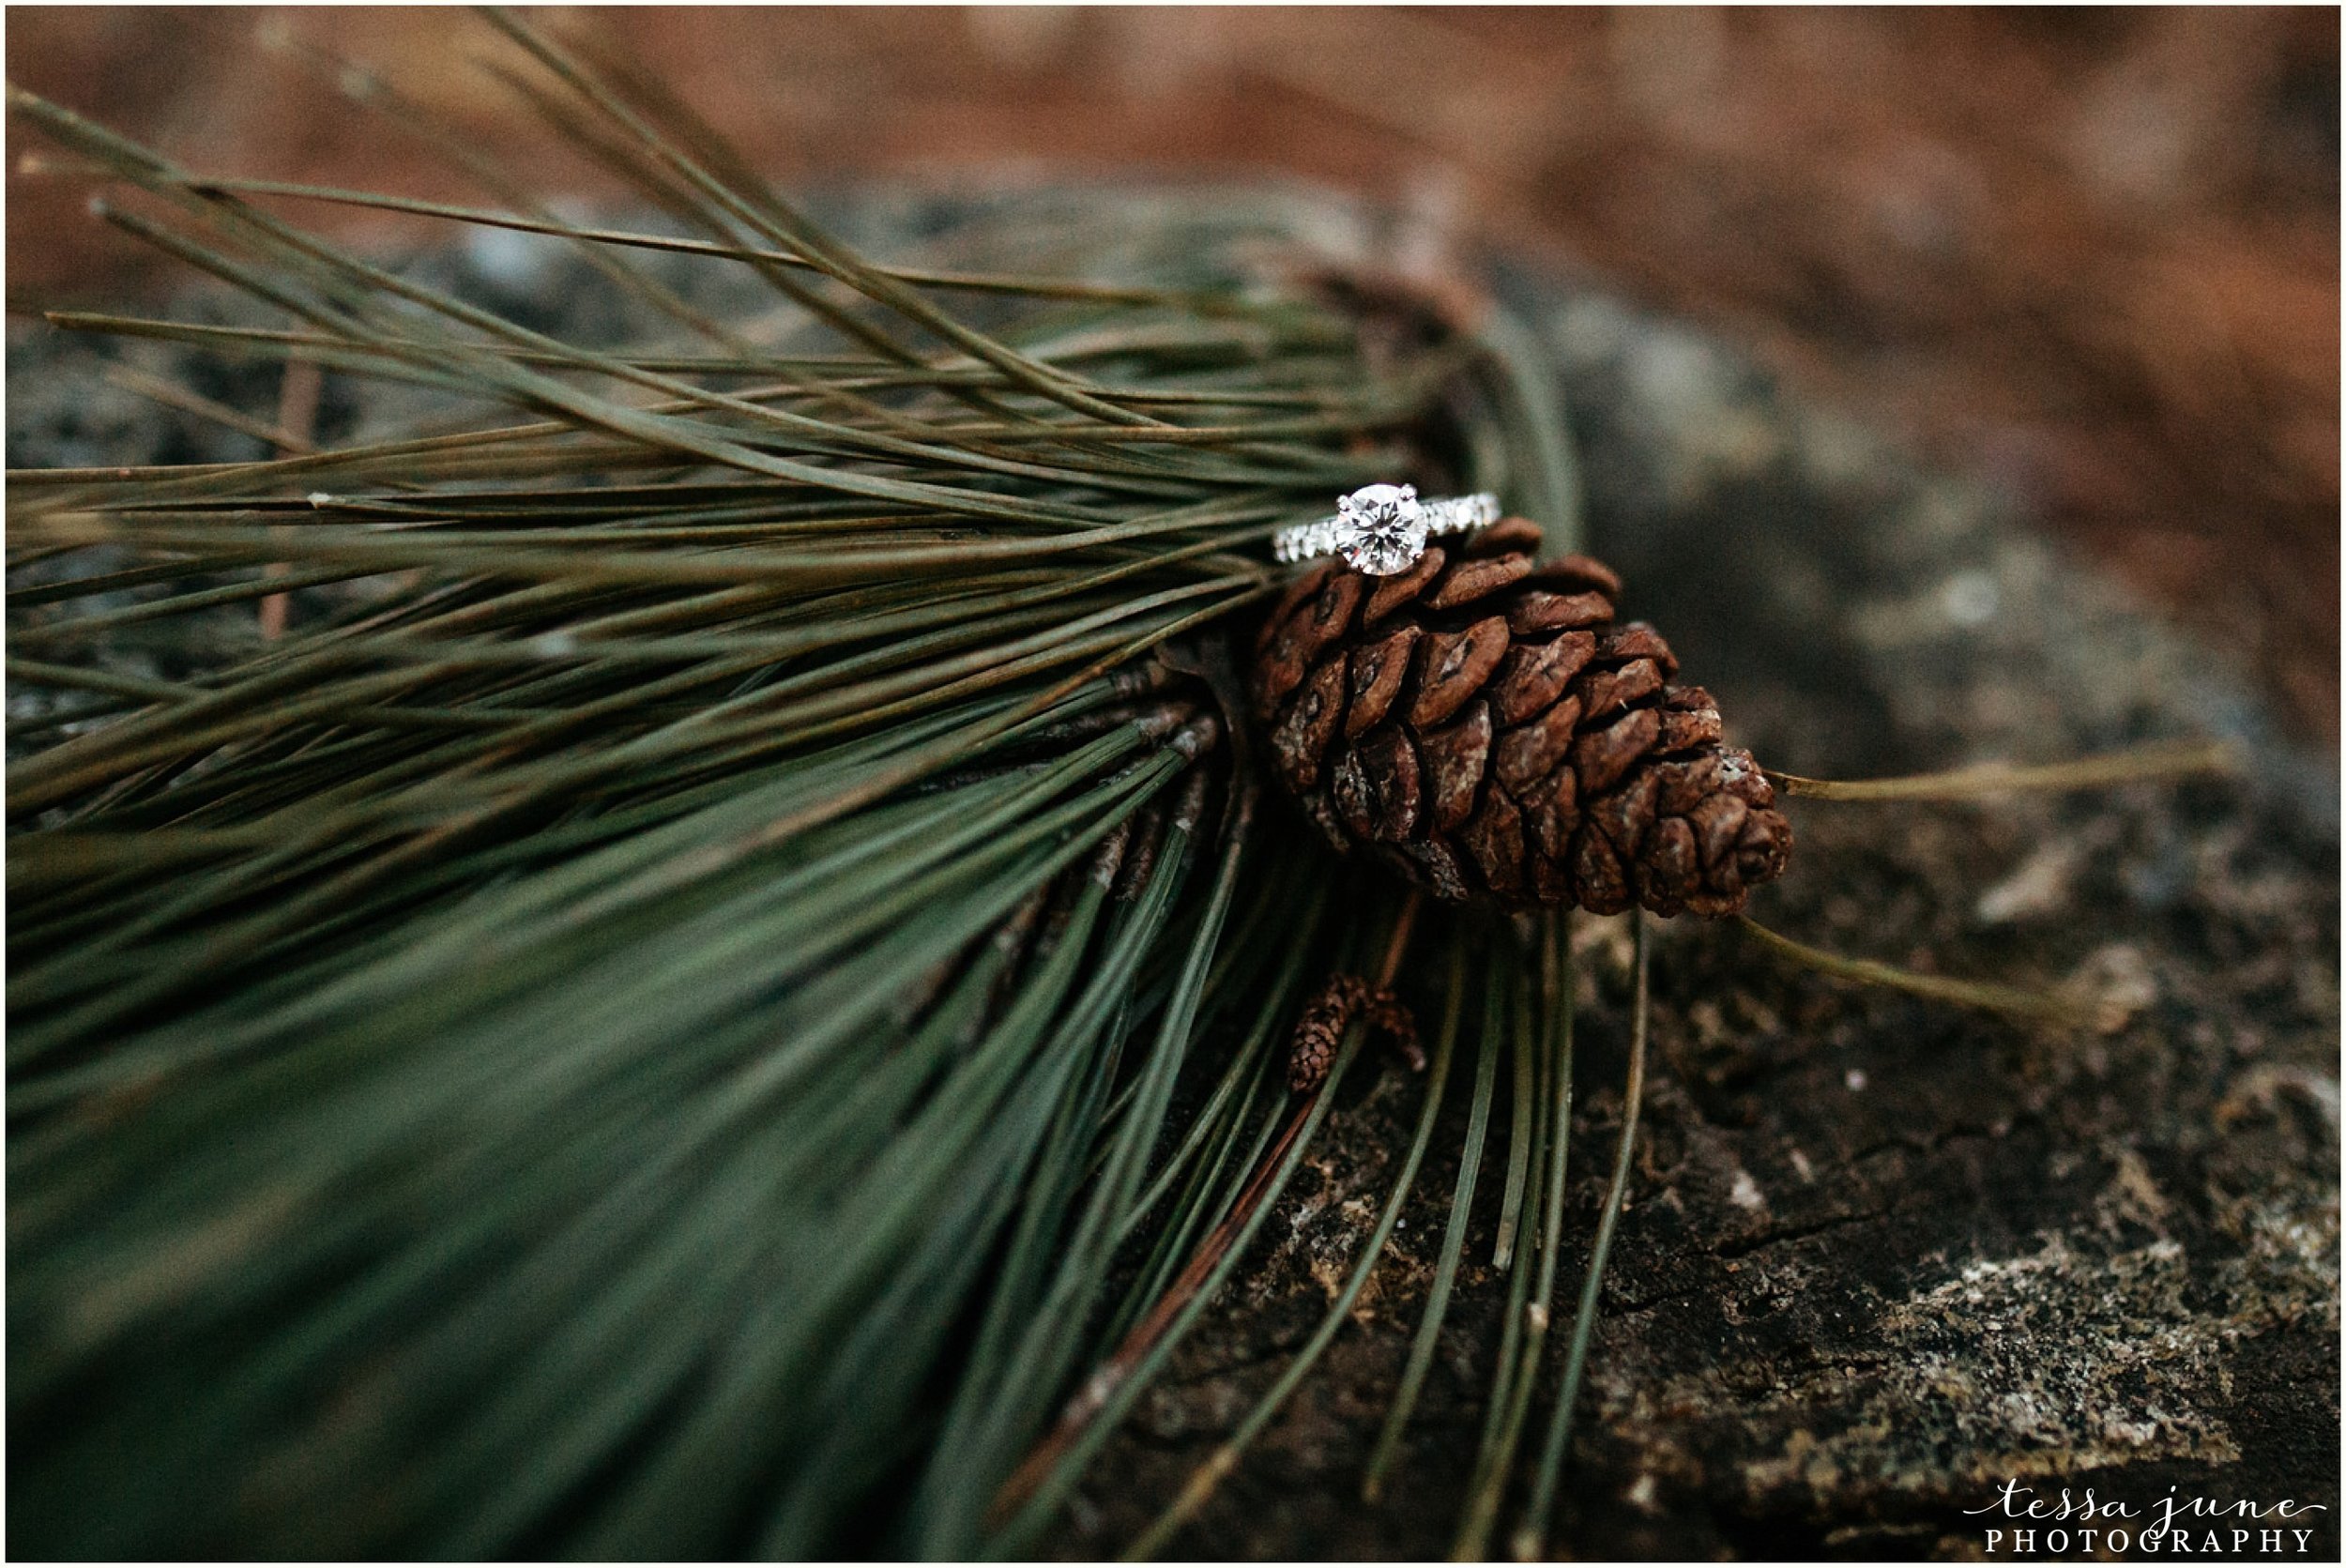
1382 528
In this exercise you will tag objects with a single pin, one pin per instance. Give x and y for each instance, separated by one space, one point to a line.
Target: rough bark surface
1879 1256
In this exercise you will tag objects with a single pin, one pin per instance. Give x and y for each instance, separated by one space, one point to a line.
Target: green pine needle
1530 1543
1224 1457
669 942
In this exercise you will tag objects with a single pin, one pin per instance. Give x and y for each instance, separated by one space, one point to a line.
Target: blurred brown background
2090 256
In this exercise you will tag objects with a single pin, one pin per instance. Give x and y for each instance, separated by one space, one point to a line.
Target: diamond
1382 529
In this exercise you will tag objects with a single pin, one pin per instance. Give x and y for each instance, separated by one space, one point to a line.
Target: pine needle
2012 1002
1429 1336
1530 1543
1524 1343
2168 759
615 966
1202 1483
1520 1140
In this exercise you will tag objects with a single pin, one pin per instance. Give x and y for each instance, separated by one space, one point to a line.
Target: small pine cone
1483 724
1320 1028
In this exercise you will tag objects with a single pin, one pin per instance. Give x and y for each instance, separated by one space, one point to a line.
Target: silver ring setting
1380 529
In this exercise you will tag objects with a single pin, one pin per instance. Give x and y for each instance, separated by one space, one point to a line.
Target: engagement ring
1382 528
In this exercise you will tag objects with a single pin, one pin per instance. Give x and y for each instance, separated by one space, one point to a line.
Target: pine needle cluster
663 967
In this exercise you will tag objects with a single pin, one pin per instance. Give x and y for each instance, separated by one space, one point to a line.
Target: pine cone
1481 723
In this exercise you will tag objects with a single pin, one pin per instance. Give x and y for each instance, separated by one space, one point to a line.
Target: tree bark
1880 1257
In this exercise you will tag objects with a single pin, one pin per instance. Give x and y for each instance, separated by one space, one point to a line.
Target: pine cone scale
1454 666
1606 691
1626 815
1542 611
1530 753
1439 870
1471 580
1302 737
1669 863
1493 837
1391 593
1596 875
1716 822
1555 812
1378 668
1484 725
1459 755
1602 756
1535 675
